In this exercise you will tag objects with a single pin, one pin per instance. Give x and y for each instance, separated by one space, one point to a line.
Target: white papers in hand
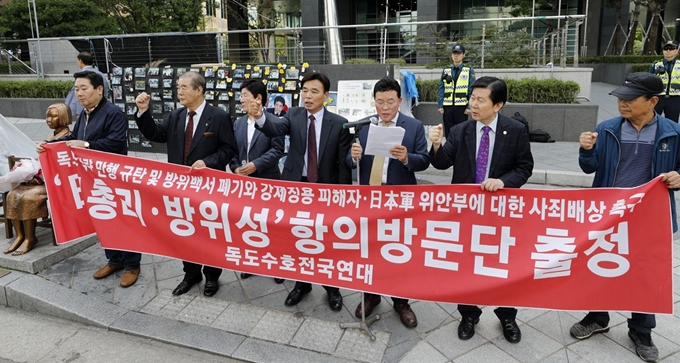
381 139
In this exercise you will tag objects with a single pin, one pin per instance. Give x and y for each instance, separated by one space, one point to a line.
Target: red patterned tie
188 135
312 166
482 156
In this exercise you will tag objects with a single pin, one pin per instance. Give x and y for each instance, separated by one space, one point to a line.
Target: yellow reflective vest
456 95
674 78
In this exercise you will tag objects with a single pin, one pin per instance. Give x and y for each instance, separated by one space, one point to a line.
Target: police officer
455 88
668 69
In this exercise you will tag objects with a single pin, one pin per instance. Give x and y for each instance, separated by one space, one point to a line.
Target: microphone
371 120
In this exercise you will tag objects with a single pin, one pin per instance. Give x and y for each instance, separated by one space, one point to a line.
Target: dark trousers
670 107
642 323
306 286
473 311
395 300
453 115
192 272
129 260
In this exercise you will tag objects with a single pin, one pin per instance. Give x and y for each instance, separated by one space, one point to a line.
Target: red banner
580 249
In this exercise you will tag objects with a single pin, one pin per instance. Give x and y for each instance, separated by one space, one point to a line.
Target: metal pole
30 18
563 53
9 61
576 48
533 14
41 70
585 32
483 43
559 13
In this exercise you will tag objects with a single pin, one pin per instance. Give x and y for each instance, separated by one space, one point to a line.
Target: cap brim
458 51
626 93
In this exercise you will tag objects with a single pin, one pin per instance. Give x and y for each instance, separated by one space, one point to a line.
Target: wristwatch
87 145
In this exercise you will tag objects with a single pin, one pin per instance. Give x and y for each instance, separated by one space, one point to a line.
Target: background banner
584 249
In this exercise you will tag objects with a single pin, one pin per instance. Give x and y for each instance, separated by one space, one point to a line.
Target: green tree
635 22
56 18
655 7
523 7
616 4
261 14
154 16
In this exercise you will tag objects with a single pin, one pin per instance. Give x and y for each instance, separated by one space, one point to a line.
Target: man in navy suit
407 158
198 135
258 155
316 159
491 150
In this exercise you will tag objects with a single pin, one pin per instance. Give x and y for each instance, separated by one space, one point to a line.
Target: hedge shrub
401 62
428 90
618 59
17 68
641 67
35 89
533 90
526 90
360 61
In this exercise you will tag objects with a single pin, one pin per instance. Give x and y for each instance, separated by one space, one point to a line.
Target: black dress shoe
295 296
335 300
245 275
278 281
183 287
211 288
466 329
511 331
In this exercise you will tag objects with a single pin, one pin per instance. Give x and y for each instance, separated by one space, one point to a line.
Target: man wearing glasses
668 69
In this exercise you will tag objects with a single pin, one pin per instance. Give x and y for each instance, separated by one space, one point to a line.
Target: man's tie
378 164
188 135
482 156
312 165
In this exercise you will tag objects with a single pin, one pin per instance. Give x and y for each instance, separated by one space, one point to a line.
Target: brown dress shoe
106 271
129 277
408 317
370 302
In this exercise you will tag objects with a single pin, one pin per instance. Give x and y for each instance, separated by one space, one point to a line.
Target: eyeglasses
669 48
389 103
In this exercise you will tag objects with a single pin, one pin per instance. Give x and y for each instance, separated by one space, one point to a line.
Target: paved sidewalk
248 321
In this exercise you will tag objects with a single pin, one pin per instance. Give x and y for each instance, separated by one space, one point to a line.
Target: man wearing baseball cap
625 152
455 88
668 69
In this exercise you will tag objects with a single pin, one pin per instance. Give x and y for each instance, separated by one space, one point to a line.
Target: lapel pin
505 132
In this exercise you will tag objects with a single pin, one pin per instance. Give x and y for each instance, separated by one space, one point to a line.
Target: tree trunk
653 35
635 21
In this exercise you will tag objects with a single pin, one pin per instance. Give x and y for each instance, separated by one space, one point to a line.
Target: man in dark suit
258 155
279 105
316 159
198 135
491 150
102 126
407 158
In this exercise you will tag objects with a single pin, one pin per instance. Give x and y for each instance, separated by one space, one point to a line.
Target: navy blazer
213 141
398 173
332 149
511 161
264 152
